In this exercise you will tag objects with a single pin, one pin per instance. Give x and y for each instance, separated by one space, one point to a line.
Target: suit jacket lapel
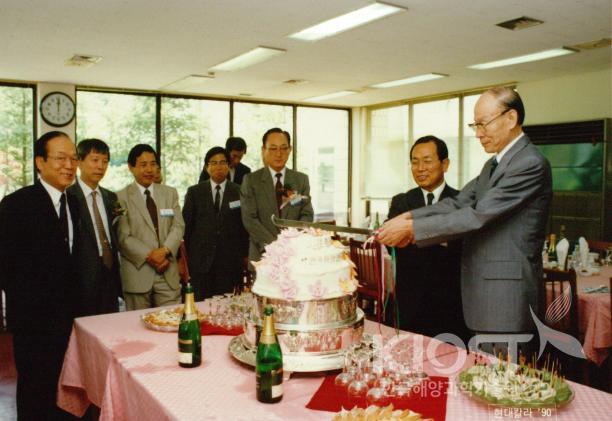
109 207
87 223
268 188
139 203
290 181
501 167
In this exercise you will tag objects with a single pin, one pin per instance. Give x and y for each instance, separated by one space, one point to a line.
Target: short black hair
215 150
40 146
138 150
86 146
276 130
511 100
235 144
441 148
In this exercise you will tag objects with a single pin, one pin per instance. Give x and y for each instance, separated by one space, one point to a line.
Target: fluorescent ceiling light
188 83
247 59
413 79
556 52
330 96
347 21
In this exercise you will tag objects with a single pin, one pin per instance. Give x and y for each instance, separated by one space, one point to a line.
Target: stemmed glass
344 379
358 388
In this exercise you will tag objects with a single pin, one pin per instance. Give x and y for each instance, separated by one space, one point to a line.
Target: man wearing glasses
39 232
501 216
273 190
215 238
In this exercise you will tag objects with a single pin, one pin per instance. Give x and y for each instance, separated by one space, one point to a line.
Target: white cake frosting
304 265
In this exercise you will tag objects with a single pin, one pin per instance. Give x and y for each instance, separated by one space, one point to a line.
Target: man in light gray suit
149 235
501 216
267 192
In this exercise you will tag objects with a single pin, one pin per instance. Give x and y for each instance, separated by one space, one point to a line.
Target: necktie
63 219
107 255
493 166
152 208
430 198
279 191
217 204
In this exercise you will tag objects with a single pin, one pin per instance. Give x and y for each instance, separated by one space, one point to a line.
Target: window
474 155
252 120
120 120
322 153
16 138
190 127
441 119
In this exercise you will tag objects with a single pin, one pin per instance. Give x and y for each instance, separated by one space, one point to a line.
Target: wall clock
57 109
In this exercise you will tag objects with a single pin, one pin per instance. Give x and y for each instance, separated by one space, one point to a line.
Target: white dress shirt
87 192
282 179
142 191
56 195
232 173
436 192
213 186
501 153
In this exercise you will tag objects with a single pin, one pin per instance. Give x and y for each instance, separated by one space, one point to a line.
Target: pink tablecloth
594 316
131 373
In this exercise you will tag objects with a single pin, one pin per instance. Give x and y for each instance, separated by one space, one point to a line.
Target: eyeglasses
62 159
215 163
426 163
483 126
282 149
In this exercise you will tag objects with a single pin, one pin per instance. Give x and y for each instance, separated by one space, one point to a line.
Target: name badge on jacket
166 212
235 204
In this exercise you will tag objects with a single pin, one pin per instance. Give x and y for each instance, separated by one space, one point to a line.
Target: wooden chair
368 260
559 311
559 287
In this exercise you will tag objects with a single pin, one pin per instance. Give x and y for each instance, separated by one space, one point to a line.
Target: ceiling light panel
248 59
347 21
409 80
188 83
330 96
542 55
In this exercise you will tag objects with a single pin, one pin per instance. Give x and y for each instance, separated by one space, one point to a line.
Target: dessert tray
166 320
510 385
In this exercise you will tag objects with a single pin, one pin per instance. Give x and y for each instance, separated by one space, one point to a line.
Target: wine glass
344 379
358 388
378 396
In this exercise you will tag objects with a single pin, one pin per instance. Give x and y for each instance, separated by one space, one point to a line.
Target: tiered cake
310 281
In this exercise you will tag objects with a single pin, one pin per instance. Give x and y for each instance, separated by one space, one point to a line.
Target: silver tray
317 313
313 363
310 340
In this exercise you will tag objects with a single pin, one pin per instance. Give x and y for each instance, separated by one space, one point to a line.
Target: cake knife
289 223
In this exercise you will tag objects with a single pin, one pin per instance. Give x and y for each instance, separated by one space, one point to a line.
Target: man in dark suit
428 279
39 232
501 215
98 262
268 192
236 147
215 238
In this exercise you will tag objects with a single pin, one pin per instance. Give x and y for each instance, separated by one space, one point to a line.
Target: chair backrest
559 301
367 261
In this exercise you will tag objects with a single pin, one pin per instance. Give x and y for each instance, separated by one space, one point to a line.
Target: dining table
131 373
595 313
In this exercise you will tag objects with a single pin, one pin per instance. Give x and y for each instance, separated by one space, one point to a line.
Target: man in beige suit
149 231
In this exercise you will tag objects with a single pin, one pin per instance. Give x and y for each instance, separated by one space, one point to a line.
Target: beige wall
585 96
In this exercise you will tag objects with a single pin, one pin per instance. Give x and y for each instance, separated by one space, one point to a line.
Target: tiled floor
8 379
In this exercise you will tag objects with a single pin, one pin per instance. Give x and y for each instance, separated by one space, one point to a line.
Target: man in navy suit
428 279
215 239
39 239
100 284
236 147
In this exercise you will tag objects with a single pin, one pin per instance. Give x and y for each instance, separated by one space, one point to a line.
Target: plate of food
166 320
516 386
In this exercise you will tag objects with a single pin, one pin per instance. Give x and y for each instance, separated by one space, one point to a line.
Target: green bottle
189 338
269 362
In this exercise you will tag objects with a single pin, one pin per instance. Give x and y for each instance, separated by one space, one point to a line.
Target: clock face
57 109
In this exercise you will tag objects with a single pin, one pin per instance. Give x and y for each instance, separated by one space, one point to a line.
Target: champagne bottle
189 338
269 362
552 249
